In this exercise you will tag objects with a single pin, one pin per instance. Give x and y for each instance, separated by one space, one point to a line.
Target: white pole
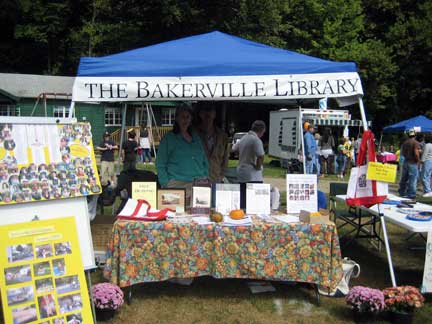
71 109
123 126
302 139
362 113
387 246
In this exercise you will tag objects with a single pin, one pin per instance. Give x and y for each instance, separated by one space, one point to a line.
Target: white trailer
286 130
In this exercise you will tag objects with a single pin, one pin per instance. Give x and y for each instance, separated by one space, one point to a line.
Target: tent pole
150 119
302 139
71 109
223 117
123 127
362 112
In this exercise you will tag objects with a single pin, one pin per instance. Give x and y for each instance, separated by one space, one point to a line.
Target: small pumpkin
236 214
216 217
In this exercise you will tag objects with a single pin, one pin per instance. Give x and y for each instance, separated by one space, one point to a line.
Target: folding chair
363 225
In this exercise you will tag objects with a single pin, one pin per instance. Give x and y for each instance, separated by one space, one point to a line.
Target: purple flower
364 299
107 296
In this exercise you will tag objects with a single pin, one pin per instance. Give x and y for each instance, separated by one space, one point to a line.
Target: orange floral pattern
156 251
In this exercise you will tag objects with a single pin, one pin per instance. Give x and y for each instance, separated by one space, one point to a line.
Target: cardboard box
323 218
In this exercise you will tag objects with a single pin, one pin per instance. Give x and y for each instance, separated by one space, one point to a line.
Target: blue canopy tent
214 66
421 123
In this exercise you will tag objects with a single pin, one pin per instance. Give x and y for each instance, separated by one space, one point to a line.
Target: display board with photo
46 161
43 281
301 193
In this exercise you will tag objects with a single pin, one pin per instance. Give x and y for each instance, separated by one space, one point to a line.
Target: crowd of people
325 154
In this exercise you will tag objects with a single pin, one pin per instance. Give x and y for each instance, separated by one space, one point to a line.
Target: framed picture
171 198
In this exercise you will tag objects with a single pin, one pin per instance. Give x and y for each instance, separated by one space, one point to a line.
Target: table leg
387 246
318 301
127 291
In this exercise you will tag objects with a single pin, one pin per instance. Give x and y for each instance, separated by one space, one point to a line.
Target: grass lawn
210 300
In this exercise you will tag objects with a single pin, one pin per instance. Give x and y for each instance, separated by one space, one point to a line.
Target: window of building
112 116
9 110
60 112
168 116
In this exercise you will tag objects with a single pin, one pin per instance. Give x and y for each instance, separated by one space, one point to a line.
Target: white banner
258 87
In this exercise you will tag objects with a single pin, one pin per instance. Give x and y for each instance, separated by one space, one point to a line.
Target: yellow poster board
40 161
42 278
381 172
146 191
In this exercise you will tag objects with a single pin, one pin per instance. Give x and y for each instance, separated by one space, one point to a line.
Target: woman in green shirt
181 157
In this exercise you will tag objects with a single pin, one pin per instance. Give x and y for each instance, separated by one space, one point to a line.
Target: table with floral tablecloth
155 251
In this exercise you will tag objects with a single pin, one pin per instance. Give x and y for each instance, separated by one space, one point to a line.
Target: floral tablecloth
156 251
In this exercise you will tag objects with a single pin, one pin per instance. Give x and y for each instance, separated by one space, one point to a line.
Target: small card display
171 198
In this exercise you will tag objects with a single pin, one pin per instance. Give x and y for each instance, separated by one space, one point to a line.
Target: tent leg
123 127
387 246
362 113
71 109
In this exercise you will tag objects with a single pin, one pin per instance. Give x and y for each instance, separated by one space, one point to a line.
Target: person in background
357 144
347 148
107 173
341 158
352 151
215 141
129 151
181 157
310 149
426 160
411 152
251 158
327 150
144 143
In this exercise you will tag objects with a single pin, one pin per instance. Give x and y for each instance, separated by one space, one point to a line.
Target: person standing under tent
327 154
341 158
181 157
426 172
357 144
107 172
215 142
130 148
310 149
144 143
411 153
251 158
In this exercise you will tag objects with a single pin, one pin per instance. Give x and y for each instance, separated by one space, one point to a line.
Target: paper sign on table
301 193
146 191
258 198
381 172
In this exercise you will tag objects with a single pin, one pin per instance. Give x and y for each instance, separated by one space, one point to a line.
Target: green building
45 95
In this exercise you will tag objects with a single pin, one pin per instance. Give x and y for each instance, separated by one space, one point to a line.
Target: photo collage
44 162
39 287
301 191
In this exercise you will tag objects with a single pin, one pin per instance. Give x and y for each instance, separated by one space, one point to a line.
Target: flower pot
401 317
363 317
104 315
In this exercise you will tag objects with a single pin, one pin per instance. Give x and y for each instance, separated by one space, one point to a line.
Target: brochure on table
258 198
46 162
301 193
427 272
41 273
227 197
